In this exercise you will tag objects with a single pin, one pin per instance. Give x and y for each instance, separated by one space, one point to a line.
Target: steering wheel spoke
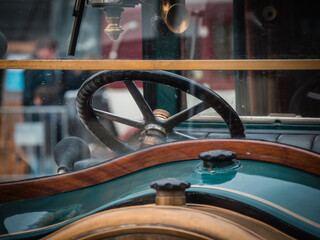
140 101
182 116
119 119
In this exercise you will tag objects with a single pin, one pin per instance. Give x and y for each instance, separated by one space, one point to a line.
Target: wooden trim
211 223
153 156
276 64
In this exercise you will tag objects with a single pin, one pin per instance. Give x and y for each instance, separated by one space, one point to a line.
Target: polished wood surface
276 64
168 222
153 156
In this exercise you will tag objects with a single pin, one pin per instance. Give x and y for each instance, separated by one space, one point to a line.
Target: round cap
217 156
170 184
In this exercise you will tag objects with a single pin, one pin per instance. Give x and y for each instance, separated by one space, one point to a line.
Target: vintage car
205 114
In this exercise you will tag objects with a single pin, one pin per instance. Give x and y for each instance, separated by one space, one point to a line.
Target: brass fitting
170 191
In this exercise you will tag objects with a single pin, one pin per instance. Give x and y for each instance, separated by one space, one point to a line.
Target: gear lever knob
68 151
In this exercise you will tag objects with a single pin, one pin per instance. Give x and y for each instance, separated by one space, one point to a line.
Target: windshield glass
260 57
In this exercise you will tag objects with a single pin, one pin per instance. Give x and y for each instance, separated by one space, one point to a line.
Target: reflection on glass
39 106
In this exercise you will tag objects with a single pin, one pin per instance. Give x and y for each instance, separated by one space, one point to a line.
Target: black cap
170 184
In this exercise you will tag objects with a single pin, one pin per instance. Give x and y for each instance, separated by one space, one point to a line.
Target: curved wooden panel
211 223
172 152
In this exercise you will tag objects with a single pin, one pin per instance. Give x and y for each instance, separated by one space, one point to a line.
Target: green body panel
252 126
288 194
166 97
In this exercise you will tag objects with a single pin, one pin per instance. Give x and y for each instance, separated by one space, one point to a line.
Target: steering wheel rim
299 95
89 116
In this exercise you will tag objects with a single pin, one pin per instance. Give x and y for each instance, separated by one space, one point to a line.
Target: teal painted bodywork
288 194
277 125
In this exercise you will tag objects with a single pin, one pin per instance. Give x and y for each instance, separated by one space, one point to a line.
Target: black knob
170 184
68 151
217 158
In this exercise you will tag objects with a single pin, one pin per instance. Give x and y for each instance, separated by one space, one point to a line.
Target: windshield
260 57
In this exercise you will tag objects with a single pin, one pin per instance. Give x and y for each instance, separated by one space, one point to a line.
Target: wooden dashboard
153 156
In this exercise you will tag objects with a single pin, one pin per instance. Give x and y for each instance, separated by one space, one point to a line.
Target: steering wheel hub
152 135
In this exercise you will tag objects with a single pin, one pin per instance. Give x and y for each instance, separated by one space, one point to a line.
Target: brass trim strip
276 64
263 201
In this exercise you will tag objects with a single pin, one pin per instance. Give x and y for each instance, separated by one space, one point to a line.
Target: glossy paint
288 194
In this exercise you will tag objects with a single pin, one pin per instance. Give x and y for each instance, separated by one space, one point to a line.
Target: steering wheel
297 104
155 124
